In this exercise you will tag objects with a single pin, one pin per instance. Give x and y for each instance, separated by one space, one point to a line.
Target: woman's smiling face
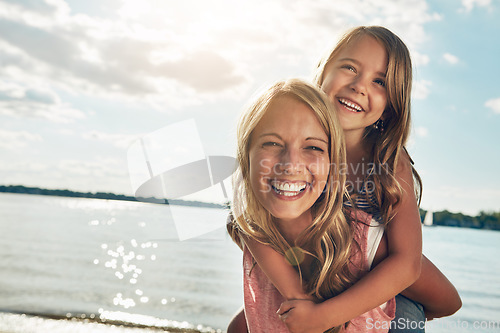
355 82
289 159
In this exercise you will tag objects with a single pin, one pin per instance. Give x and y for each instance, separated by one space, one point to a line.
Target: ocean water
123 261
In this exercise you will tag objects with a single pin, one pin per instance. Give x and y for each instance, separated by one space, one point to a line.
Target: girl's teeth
351 105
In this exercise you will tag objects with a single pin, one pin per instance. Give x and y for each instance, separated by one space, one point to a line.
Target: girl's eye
350 68
380 82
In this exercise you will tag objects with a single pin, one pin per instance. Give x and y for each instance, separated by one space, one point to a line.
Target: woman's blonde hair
329 238
385 146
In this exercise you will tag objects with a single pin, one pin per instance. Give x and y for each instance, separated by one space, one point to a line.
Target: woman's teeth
355 107
288 189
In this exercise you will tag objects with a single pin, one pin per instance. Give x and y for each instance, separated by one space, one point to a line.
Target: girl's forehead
361 43
365 51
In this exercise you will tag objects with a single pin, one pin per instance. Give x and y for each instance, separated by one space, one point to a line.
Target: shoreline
20 189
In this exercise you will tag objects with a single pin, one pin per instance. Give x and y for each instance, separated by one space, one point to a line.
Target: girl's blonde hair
329 237
385 146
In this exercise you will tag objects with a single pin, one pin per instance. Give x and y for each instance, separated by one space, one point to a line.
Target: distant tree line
485 220
103 195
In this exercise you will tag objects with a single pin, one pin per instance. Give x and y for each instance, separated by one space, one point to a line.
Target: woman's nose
291 161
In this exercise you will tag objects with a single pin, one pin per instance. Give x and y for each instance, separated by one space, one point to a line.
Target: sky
81 82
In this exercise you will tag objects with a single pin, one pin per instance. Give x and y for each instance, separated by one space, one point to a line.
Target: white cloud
451 59
421 89
18 100
17 139
14 91
468 5
100 173
58 113
117 140
461 199
493 104
168 55
97 174
422 131
13 172
88 168
39 6
111 57
418 132
420 59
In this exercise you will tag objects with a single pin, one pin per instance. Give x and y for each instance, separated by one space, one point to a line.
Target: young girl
288 194
368 77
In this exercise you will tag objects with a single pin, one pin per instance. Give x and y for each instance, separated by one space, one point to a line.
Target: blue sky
80 81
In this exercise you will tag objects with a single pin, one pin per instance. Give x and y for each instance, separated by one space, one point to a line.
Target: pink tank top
262 299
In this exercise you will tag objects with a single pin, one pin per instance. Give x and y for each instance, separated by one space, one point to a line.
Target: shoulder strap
411 161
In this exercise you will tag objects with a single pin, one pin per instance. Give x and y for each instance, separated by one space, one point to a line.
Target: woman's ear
322 195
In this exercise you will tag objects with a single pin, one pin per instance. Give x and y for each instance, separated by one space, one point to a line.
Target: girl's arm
394 274
432 289
238 324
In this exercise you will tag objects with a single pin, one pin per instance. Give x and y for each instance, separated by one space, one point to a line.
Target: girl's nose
358 85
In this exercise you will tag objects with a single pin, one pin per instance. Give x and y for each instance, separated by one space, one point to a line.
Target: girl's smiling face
289 159
355 82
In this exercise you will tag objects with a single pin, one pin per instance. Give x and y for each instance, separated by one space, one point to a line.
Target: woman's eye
315 148
271 144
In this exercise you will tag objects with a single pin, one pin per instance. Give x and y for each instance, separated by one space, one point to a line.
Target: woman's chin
288 214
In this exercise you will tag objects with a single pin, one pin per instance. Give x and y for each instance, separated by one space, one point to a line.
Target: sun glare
134 8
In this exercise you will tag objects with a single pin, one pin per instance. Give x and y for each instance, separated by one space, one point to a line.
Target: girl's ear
385 115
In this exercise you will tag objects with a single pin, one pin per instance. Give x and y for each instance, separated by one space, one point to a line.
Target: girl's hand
302 316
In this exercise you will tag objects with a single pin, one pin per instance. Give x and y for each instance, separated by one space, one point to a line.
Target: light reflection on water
93 204
123 259
81 255
111 321
125 263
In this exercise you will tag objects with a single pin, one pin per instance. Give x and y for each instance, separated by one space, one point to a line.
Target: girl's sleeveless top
365 199
262 299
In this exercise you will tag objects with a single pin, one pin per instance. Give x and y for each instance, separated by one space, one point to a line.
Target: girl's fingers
285 307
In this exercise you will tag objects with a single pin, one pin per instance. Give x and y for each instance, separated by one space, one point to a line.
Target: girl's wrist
328 314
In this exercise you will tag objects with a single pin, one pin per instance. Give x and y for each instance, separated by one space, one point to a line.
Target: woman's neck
291 228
